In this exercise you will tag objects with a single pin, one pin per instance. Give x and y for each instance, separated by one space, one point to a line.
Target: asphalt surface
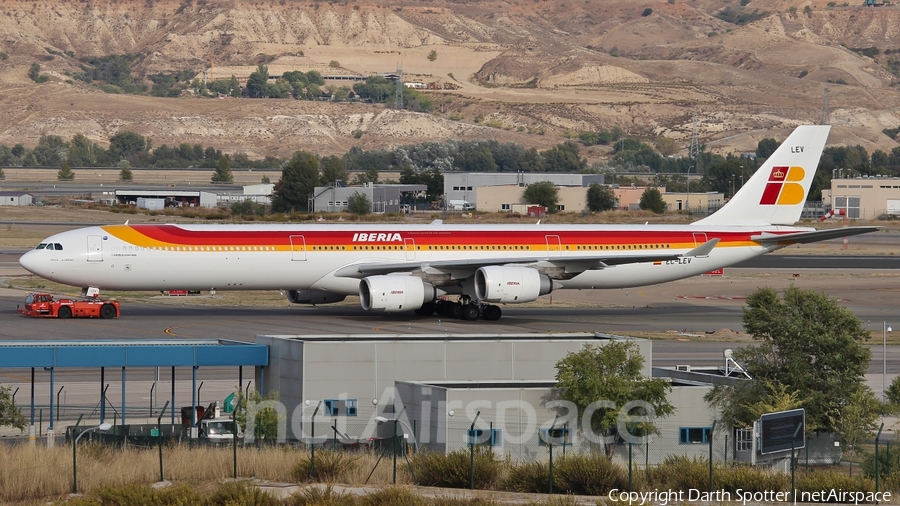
687 310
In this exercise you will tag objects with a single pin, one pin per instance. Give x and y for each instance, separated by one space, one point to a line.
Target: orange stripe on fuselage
168 236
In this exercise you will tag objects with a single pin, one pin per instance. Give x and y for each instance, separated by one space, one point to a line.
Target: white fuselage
264 257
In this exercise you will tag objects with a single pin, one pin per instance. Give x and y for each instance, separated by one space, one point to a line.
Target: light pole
380 420
732 186
885 329
102 426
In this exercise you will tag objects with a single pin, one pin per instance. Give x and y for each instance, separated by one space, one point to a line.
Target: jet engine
394 293
313 297
500 283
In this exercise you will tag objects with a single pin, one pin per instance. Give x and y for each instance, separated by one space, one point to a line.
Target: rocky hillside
529 71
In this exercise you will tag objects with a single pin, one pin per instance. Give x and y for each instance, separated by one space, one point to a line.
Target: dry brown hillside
532 69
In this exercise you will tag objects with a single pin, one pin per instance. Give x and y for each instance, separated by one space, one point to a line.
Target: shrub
588 474
679 473
329 466
315 496
530 477
829 480
452 470
392 496
648 11
750 479
141 494
239 492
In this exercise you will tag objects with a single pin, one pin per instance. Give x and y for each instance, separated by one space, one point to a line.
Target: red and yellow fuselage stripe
173 237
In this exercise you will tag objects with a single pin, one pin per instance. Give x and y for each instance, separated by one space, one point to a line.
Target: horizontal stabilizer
810 237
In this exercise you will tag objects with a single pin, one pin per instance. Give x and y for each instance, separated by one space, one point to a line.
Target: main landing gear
465 309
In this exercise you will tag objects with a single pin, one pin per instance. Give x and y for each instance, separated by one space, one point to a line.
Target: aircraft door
298 248
554 245
410 249
699 238
95 248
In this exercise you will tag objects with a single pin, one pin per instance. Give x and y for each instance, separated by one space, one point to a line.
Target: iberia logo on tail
784 187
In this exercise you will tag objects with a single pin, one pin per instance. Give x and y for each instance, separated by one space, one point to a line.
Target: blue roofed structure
122 354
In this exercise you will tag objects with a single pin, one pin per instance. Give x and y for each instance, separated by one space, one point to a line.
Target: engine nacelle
394 293
500 283
313 297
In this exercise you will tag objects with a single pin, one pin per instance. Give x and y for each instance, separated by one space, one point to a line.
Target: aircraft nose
30 262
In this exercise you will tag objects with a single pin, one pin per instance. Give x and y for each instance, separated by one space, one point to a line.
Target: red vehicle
45 305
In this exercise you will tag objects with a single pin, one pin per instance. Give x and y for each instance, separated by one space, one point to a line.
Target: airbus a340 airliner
413 267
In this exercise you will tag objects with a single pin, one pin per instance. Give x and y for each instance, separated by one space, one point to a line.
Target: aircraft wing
767 239
571 264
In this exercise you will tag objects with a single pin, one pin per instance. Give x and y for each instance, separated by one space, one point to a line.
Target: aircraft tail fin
775 194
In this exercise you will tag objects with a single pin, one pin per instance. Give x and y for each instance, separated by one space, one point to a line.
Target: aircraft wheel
107 311
427 309
470 312
65 312
456 311
441 307
491 313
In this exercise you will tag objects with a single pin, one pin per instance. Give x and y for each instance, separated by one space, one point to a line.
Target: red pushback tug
45 305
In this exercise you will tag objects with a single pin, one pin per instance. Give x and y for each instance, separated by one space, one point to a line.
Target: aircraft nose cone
30 262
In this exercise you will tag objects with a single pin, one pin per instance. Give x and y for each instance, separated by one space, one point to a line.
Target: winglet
704 249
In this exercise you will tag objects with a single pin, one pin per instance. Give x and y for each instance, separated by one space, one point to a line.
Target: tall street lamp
104 427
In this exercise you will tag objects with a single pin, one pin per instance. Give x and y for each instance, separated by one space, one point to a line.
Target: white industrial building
170 197
11 198
385 198
463 185
435 384
256 193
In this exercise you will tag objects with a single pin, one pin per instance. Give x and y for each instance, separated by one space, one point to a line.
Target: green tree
10 415
2 175
601 198
223 171
125 174
610 373
333 169
266 420
542 193
359 203
65 172
432 55
808 342
298 179
50 151
564 157
84 153
265 180
257 82
766 147
127 145
651 200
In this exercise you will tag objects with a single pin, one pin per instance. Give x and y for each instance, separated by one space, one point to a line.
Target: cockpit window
58 246
30 298
41 246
